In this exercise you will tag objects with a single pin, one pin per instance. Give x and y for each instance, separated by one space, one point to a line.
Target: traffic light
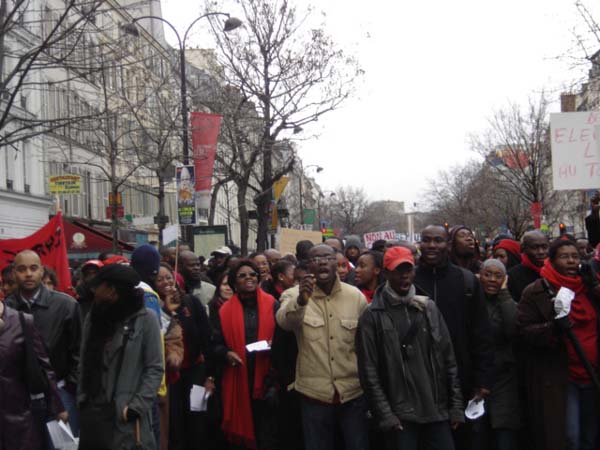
323 229
446 226
562 228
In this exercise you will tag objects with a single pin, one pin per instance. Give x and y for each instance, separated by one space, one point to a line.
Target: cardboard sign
575 150
369 238
288 239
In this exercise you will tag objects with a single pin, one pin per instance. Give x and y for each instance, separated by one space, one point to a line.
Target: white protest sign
170 234
575 150
369 238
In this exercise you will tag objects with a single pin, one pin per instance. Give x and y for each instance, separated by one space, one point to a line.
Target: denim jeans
70 405
582 417
426 436
319 424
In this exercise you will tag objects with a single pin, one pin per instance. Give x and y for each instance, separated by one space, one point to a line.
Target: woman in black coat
502 406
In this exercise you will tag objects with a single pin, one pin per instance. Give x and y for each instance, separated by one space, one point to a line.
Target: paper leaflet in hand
475 409
61 435
199 398
562 302
260 346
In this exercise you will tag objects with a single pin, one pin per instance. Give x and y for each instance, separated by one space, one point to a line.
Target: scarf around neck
396 299
236 394
557 280
525 261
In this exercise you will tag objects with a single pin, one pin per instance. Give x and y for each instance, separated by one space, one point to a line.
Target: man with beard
323 313
57 318
463 248
534 251
191 270
459 297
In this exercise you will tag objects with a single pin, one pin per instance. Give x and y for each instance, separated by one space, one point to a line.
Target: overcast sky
435 71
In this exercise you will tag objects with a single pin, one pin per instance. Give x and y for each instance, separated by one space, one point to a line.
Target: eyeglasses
318 259
244 275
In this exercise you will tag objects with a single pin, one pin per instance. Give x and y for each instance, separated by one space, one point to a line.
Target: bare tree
348 208
290 73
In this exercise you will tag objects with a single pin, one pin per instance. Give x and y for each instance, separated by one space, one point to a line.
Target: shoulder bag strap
128 331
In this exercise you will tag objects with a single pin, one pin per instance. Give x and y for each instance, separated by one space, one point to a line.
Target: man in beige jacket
323 313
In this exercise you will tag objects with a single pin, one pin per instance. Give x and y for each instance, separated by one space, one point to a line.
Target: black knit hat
455 229
117 275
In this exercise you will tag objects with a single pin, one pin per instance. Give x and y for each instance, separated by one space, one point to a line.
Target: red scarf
525 261
511 246
584 319
237 413
368 294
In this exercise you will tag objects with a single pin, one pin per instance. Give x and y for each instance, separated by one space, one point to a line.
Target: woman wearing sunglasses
248 388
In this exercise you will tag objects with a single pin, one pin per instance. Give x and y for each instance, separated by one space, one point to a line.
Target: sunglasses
242 275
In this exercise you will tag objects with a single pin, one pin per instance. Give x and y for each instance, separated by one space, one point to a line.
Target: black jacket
592 225
460 300
57 318
519 277
420 387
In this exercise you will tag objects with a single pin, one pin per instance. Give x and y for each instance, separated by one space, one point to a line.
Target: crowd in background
335 346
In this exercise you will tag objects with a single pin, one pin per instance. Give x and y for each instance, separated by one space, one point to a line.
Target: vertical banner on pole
205 134
185 195
536 213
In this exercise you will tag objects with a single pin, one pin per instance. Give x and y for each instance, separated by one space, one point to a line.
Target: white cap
223 250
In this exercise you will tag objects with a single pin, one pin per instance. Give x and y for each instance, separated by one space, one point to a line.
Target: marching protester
282 274
18 337
584 248
368 273
49 278
343 267
464 251
122 336
534 250
262 263
273 256
191 271
352 249
502 421
323 313
406 362
186 427
302 248
458 295
9 285
218 263
558 322
222 294
88 271
57 318
249 391
508 252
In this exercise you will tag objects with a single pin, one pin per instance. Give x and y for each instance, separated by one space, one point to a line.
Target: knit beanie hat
353 241
455 229
146 261
117 275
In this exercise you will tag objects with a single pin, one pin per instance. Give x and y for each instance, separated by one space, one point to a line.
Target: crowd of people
438 345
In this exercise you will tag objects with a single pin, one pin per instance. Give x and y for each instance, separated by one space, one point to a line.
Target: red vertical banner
536 213
205 134
49 242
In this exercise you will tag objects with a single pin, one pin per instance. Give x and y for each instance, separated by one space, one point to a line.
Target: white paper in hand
61 435
562 302
475 409
259 346
199 398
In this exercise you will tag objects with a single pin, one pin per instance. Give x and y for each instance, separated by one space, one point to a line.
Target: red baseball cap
117 259
397 255
93 262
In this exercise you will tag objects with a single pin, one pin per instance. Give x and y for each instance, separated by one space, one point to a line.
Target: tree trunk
114 220
244 220
262 212
213 204
161 208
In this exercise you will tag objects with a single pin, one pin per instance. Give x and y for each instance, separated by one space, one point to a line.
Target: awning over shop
86 242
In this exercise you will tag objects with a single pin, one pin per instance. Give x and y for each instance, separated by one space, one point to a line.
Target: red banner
205 134
536 212
48 242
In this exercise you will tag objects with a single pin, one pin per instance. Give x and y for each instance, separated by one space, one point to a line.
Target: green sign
310 216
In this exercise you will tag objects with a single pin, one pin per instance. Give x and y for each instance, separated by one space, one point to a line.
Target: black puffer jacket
394 383
459 297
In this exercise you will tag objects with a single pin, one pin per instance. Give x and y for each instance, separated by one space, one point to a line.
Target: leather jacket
57 317
386 375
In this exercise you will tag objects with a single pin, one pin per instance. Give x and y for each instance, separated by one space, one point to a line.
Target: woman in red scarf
561 398
249 418
508 251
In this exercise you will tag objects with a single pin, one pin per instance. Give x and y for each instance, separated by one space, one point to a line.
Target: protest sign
65 184
369 238
185 195
289 237
575 150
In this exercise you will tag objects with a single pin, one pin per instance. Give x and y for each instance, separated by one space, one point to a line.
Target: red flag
48 242
536 212
205 133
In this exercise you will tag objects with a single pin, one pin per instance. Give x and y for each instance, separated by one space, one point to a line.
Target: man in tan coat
323 313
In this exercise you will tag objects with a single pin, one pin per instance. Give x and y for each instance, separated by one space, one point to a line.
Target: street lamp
318 170
230 24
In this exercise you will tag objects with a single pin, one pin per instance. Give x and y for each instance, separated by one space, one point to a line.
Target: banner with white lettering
369 238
